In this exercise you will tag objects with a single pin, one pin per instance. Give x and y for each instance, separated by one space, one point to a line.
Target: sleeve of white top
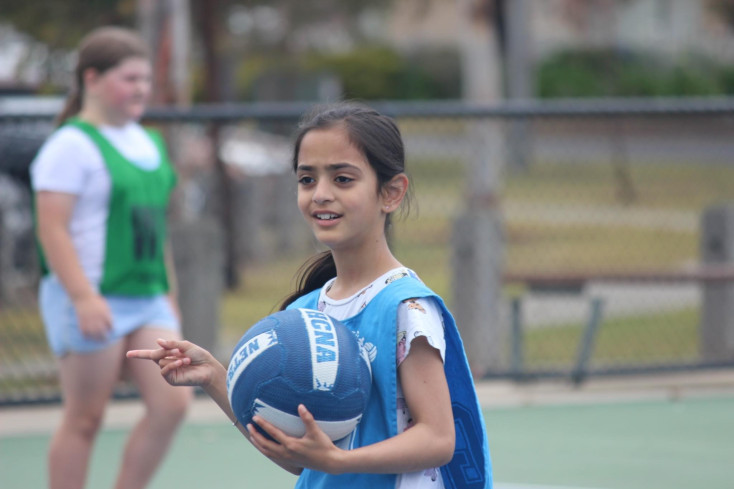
64 162
422 317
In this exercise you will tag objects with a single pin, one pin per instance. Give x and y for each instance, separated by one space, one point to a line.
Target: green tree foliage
379 72
62 23
366 73
614 73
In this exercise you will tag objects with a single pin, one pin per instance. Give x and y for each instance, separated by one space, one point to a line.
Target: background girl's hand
94 316
181 362
314 450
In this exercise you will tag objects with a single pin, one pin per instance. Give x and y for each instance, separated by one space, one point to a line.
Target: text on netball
250 350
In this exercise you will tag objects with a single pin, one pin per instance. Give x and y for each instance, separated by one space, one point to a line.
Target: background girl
102 185
349 162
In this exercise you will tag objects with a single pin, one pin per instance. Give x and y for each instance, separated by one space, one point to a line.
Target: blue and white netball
300 356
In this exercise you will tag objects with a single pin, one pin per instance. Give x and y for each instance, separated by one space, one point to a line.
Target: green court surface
633 445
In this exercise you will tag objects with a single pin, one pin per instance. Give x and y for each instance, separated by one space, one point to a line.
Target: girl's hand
94 316
314 450
181 362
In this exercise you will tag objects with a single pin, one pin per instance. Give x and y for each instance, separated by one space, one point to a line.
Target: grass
658 186
643 339
265 286
21 334
569 248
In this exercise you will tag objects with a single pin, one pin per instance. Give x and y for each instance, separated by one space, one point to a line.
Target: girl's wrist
217 382
339 463
79 297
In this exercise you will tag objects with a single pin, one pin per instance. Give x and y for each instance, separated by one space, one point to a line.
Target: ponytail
72 106
312 275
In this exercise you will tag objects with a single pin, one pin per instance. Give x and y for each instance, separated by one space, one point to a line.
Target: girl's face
338 191
122 91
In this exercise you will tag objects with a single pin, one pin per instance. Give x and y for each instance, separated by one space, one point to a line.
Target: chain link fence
569 238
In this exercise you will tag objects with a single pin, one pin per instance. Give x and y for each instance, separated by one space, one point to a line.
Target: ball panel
336 430
293 425
288 423
318 362
329 406
247 352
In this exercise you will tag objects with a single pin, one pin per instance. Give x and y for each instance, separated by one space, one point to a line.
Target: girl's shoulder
67 144
67 136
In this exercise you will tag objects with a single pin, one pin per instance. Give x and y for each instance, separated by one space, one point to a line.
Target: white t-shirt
70 162
416 317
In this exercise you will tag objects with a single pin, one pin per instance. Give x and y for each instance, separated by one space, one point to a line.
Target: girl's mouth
326 216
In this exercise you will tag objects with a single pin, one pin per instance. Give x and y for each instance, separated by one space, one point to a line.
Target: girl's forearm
419 448
217 390
171 273
62 258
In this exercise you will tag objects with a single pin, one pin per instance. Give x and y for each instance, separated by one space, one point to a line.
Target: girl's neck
353 273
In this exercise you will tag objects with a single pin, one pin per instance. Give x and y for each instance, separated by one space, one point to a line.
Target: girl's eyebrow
330 167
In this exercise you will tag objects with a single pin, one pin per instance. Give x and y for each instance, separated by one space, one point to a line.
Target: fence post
4 258
198 253
586 345
717 248
478 246
518 339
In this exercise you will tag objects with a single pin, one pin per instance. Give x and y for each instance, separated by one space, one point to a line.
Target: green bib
136 226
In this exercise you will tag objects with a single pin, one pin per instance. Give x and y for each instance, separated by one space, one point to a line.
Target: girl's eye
305 180
343 179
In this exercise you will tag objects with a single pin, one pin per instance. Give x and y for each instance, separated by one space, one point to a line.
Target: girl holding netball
102 185
423 427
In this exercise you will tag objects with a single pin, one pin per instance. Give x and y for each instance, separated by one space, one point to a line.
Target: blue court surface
643 444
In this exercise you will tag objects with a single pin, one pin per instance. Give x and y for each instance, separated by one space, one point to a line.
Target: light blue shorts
128 315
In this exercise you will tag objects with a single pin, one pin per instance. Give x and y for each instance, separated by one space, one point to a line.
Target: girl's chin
135 111
326 239
135 114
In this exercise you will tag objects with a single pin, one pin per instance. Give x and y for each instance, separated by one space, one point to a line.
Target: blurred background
572 162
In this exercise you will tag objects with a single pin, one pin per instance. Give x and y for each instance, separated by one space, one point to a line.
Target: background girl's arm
54 210
172 279
428 443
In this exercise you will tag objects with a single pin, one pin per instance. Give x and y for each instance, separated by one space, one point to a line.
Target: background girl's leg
165 408
86 381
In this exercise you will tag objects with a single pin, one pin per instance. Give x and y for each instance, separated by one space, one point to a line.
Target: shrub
366 73
619 73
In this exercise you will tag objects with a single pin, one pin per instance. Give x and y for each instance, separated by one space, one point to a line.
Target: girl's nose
322 193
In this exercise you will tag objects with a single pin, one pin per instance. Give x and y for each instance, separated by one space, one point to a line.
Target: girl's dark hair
378 138
101 49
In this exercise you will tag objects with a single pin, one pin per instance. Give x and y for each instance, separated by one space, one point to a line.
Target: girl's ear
394 191
89 76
